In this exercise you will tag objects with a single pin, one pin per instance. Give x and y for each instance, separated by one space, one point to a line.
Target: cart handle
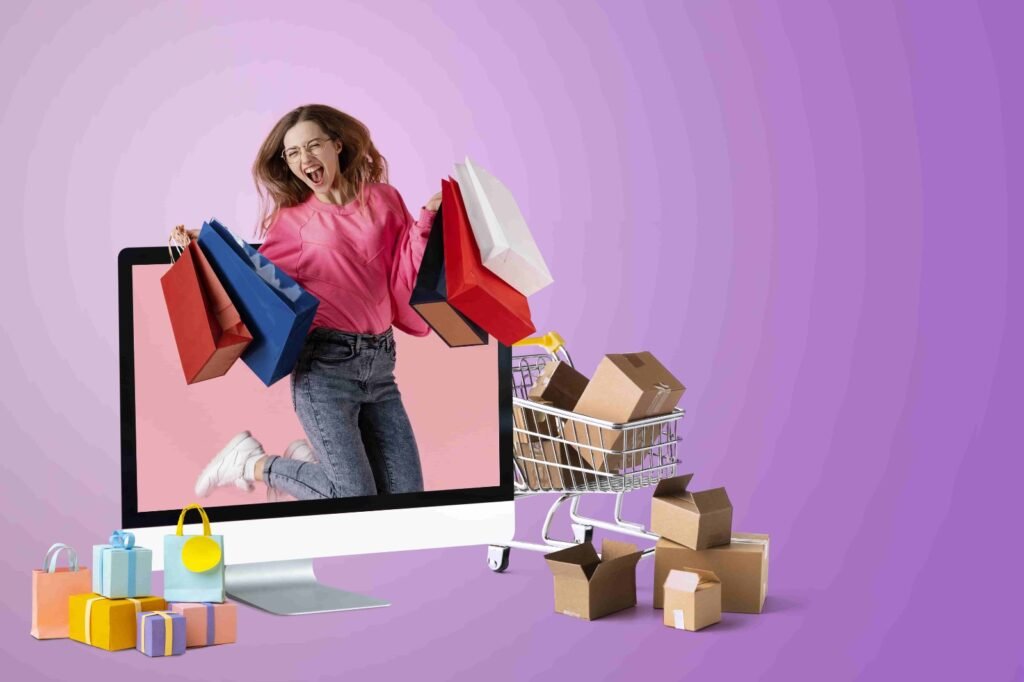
552 342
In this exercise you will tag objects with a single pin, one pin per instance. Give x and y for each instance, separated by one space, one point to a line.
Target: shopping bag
51 589
208 330
430 295
121 569
194 564
474 290
506 245
275 309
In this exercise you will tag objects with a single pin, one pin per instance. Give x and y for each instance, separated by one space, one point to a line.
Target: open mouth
315 174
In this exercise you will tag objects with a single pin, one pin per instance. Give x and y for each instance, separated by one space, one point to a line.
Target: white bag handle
52 554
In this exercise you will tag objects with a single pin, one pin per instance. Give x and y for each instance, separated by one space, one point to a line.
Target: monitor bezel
131 517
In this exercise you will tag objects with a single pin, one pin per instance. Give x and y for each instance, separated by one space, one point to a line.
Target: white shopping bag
506 246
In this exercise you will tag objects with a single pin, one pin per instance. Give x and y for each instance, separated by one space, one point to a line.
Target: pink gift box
207 624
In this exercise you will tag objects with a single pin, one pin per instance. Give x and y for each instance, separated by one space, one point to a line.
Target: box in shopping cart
589 586
611 449
560 385
697 520
534 425
629 386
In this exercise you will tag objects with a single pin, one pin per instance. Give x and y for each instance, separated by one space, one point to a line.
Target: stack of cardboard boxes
696 536
625 388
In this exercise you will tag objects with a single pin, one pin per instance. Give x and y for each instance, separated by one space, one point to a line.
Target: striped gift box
161 633
207 623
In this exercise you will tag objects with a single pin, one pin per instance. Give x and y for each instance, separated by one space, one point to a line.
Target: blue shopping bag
194 564
275 309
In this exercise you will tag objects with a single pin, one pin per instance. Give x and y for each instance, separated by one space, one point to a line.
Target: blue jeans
344 393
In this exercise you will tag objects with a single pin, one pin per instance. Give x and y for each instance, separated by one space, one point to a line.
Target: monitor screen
171 430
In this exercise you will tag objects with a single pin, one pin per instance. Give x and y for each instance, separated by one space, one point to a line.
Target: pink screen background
450 395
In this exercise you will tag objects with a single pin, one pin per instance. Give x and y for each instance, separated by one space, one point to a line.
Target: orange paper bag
208 330
51 588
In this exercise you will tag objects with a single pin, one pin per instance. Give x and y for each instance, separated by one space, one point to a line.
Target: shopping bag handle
52 554
552 342
178 240
202 513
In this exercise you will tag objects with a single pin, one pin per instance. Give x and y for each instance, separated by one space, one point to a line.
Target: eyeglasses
313 148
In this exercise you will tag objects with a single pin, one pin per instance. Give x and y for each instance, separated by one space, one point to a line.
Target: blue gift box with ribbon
120 569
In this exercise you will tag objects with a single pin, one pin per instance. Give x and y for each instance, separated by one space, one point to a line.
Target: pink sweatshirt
362 269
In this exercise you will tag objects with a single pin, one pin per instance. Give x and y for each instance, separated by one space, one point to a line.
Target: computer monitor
459 401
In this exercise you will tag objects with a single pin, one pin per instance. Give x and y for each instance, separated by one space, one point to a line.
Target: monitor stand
289 588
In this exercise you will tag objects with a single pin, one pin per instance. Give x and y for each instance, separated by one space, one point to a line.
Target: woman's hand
433 203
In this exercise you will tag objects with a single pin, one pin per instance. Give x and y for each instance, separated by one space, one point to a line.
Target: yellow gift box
108 623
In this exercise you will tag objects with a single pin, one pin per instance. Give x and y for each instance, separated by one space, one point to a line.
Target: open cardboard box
697 520
588 586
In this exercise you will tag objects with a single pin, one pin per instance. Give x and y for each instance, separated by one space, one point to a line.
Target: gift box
121 569
430 295
51 589
274 308
194 564
697 520
161 633
741 567
506 245
693 599
473 290
108 623
589 586
208 624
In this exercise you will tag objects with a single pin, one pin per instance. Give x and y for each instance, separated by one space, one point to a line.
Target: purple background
811 212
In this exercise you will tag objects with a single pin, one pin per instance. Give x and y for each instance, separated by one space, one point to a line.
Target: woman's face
311 156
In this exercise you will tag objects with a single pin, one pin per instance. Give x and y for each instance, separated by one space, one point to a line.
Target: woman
330 221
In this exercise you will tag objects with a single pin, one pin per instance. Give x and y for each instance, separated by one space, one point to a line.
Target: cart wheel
497 558
582 533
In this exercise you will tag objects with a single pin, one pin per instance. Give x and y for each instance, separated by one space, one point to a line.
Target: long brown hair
359 162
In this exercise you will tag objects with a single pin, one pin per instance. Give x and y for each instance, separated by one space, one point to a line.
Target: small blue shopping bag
275 309
194 564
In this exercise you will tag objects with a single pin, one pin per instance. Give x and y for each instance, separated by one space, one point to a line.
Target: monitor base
290 588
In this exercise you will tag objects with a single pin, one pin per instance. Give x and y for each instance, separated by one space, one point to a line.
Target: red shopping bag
473 290
208 330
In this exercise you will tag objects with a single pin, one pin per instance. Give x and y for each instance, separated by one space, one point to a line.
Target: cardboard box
537 423
741 566
588 586
697 520
610 450
693 599
544 466
107 623
560 385
630 386
208 624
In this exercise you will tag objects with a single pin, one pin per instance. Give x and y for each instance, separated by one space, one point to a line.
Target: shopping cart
569 454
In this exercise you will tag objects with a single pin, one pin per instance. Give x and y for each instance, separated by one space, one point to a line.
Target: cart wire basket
568 454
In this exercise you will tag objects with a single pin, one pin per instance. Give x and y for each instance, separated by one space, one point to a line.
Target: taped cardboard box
629 386
588 586
693 599
741 566
697 520
560 385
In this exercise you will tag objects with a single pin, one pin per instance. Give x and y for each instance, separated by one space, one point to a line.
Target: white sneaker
300 451
228 466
